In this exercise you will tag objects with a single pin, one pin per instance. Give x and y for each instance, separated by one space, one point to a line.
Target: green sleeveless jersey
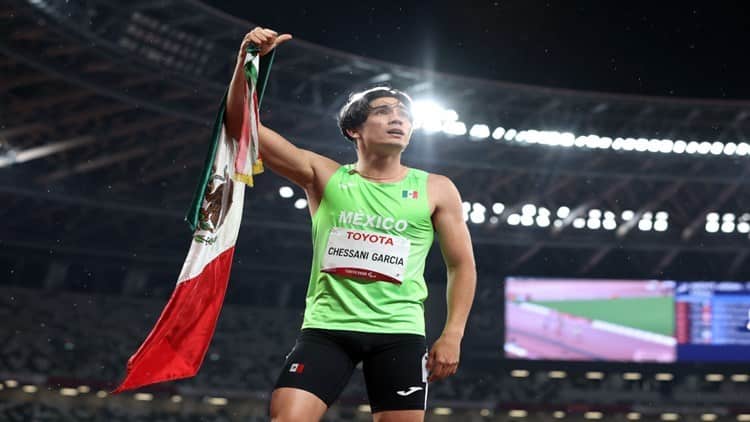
370 243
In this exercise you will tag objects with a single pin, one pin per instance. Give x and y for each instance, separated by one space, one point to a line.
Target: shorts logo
297 368
408 392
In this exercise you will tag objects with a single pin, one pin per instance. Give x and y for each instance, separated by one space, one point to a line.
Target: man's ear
352 134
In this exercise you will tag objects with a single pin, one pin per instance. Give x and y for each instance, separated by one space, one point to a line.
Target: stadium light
300 203
593 223
519 373
714 377
498 133
664 376
593 415
286 192
558 414
217 401
579 223
632 376
627 215
176 398
485 412
498 208
645 225
479 131
510 134
557 374
594 375
595 213
743 417
101 394
429 115
709 417
364 408
740 377
527 220
517 413
563 212
11 383
609 224
727 226
68 392
454 128
84 389
477 217
633 416
143 396
29 389
542 221
514 219
528 209
679 147
670 416
712 226
443 411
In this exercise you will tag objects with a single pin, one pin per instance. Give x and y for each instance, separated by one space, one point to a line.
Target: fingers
283 38
266 39
440 368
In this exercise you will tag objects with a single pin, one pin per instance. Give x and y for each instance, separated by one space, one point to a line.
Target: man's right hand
266 39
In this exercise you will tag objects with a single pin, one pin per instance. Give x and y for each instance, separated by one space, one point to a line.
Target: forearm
462 280
236 99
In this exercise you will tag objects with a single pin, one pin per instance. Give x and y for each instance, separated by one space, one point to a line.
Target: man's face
389 123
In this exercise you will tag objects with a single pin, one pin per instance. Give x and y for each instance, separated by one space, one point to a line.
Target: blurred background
601 152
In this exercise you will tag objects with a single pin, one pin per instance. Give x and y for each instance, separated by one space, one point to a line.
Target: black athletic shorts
322 361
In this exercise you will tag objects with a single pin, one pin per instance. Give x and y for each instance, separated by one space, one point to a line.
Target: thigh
318 365
292 404
396 375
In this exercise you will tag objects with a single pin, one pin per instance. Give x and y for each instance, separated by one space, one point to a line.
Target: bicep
453 234
284 158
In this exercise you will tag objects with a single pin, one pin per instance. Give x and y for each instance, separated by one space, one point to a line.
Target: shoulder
442 191
438 181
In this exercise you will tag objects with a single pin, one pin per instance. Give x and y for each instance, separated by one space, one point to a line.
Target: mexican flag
177 344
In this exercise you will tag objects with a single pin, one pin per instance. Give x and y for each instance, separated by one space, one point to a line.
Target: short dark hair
357 108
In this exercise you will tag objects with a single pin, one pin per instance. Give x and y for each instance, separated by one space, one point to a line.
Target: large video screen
590 320
713 321
627 320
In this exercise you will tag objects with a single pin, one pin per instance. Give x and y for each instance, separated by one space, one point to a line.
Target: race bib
366 255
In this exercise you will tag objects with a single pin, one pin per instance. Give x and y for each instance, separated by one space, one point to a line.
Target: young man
373 223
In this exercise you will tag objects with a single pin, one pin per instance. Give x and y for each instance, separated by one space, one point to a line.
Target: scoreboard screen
712 321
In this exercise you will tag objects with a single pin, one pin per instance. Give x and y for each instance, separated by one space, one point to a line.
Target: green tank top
367 218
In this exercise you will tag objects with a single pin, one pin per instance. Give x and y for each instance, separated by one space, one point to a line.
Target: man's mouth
396 132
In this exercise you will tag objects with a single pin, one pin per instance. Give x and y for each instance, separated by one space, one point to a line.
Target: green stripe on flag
195 205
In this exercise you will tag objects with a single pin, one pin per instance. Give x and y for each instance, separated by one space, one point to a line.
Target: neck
379 167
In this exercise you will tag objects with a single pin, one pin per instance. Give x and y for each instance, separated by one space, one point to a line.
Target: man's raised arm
278 154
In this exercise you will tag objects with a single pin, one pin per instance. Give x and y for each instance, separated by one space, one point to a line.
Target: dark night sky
650 48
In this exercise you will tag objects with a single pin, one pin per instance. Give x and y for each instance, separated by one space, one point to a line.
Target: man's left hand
442 360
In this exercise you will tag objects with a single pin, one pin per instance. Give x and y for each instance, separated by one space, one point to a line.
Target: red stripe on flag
177 344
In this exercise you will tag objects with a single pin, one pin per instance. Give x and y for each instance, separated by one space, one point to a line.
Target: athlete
373 223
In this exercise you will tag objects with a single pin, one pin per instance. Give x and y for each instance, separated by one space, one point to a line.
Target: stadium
609 230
